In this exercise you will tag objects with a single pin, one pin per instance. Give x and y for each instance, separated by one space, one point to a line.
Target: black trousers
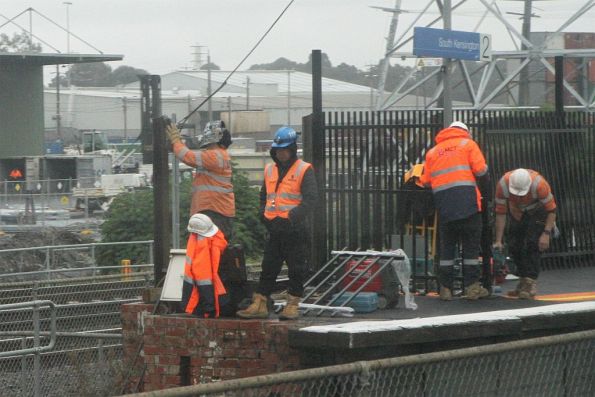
466 232
287 246
523 243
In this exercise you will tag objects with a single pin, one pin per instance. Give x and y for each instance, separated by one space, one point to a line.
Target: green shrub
130 218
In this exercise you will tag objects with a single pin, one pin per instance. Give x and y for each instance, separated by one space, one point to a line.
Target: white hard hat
459 124
520 182
202 225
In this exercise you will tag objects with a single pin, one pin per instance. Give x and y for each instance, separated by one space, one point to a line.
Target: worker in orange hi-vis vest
456 171
212 189
203 293
288 194
525 197
15 174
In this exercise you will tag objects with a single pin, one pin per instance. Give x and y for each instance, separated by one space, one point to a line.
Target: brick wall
181 351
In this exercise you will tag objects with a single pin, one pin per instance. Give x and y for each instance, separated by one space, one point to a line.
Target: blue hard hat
285 136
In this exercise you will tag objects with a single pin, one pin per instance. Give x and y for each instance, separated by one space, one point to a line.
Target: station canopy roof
41 59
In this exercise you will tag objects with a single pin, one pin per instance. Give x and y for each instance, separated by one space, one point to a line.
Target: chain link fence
37 360
71 346
561 365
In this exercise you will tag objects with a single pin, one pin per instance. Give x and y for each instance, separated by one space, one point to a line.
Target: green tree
211 66
249 230
97 74
342 72
279 64
19 42
126 74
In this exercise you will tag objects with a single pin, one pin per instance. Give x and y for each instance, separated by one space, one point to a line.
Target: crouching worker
525 198
287 196
203 292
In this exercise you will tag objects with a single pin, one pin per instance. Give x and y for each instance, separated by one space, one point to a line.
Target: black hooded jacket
298 215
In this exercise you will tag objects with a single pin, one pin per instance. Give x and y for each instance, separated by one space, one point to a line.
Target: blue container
364 302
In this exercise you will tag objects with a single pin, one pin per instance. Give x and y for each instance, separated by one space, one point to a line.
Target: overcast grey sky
157 35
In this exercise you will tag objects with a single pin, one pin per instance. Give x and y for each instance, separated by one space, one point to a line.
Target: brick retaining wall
181 351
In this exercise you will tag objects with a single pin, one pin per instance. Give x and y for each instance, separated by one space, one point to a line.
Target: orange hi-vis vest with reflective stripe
211 188
284 196
202 287
455 161
539 195
452 165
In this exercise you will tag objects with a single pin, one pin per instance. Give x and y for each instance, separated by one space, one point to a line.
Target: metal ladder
337 264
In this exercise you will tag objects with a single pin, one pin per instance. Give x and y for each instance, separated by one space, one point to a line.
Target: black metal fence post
319 248
162 221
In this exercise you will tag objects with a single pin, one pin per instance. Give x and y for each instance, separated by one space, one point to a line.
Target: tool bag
232 271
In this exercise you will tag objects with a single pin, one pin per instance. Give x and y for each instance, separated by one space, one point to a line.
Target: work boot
476 291
258 308
445 294
529 289
291 309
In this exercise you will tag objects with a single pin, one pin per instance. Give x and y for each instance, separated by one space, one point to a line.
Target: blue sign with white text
429 42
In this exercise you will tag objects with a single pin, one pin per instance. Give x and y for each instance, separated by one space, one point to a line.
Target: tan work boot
291 309
445 294
529 289
258 308
476 291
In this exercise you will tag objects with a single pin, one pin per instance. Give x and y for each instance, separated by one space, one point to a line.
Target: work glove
173 134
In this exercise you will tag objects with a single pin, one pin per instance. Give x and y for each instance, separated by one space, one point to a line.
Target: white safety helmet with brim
519 182
202 225
459 124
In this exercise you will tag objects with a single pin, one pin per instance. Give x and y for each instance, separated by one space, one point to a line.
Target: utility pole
124 110
524 74
30 28
229 112
247 92
209 105
58 116
289 98
67 4
371 82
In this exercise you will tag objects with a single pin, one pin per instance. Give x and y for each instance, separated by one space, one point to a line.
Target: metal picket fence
561 365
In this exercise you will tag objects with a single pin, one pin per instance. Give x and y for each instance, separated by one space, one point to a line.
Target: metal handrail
35 306
57 247
77 269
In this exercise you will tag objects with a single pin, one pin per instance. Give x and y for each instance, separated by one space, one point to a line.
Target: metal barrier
68 349
76 349
79 364
560 365
366 154
52 255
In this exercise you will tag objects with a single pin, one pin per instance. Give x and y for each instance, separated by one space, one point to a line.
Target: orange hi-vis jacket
539 196
451 169
202 288
284 196
211 188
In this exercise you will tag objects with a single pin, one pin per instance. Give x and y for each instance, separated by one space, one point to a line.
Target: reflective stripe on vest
453 184
288 194
211 188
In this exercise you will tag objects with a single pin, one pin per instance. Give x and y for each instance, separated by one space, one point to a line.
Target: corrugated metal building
285 96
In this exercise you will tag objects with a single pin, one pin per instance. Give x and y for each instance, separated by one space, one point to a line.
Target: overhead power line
183 121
